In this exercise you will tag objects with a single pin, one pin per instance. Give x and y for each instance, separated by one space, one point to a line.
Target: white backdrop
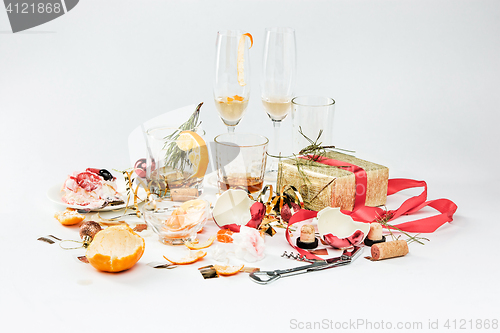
416 85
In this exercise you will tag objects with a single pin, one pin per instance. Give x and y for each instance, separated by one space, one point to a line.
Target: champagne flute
278 81
232 76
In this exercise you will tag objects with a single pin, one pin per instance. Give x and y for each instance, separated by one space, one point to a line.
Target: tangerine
115 249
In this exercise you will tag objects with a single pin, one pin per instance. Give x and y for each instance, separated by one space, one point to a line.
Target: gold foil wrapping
327 186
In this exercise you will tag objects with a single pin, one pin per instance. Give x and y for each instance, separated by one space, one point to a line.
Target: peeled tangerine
115 249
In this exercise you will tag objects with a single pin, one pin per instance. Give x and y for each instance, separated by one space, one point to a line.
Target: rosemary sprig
175 157
384 220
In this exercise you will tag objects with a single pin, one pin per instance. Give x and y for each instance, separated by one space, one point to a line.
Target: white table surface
417 89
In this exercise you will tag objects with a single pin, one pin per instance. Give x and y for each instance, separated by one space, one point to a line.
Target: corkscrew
298 257
265 277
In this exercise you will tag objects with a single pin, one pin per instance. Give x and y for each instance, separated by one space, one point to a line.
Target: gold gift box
323 186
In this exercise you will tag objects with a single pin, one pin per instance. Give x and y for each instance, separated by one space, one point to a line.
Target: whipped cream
89 189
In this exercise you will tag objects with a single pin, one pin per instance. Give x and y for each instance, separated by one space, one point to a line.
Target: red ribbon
362 213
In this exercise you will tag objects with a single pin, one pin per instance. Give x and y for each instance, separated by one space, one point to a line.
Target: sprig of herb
315 152
316 148
176 157
384 220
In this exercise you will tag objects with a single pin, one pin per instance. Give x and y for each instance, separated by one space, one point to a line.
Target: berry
106 174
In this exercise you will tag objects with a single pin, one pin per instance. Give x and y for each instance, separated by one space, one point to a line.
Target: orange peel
241 58
191 258
224 236
199 246
228 270
69 217
251 39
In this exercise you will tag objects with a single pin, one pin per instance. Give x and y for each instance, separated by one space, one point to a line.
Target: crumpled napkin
249 244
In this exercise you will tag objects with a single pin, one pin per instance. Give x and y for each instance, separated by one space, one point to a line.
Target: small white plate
54 194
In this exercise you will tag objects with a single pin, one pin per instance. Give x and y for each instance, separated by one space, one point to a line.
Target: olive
106 174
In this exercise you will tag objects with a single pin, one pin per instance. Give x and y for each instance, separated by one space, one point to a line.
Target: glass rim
231 144
170 204
286 30
332 101
231 32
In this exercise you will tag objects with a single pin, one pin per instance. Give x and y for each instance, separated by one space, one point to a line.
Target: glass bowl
176 222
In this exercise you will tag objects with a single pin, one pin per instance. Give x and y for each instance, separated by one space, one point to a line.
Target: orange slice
228 270
240 63
194 246
224 236
69 217
193 257
196 147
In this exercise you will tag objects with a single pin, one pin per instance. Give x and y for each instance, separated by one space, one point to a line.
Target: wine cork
375 232
307 239
307 234
392 249
183 194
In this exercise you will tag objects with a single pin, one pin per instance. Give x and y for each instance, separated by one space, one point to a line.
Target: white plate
54 193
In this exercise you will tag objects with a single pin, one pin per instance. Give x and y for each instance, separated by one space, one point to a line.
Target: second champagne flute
232 76
278 81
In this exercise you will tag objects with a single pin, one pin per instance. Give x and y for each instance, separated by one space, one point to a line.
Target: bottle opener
265 277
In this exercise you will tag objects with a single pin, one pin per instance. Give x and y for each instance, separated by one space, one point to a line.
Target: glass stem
230 129
275 146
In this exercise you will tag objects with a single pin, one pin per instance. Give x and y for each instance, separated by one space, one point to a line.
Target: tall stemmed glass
232 76
278 81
